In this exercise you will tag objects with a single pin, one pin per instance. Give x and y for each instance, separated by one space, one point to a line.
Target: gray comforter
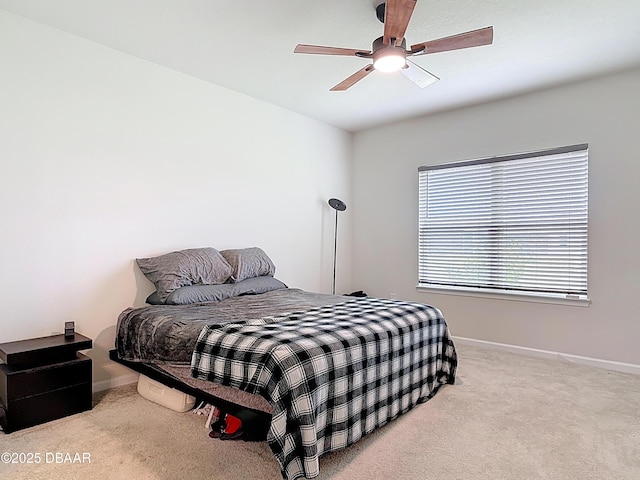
168 333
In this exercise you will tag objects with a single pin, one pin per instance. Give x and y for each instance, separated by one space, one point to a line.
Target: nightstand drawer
37 409
18 383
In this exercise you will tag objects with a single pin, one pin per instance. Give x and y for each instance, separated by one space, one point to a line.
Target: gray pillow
154 299
248 263
200 294
215 293
196 266
257 285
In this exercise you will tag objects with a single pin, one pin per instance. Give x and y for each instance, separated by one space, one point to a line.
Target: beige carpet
508 417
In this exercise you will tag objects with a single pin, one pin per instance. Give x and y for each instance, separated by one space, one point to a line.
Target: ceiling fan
389 52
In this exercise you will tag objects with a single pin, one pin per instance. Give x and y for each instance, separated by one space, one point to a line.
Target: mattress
167 334
163 337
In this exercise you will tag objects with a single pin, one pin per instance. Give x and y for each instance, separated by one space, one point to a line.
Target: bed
323 370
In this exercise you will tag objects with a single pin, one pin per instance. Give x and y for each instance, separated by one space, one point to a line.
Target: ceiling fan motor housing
378 44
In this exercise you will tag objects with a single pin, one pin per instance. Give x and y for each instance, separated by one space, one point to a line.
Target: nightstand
43 379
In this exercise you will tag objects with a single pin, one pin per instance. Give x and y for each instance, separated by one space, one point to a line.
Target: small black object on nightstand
69 329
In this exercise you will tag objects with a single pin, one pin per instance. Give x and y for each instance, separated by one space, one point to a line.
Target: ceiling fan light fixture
389 57
389 61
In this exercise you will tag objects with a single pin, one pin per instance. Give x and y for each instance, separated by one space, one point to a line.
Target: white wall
603 112
106 158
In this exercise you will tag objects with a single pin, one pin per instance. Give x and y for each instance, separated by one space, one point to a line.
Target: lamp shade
337 204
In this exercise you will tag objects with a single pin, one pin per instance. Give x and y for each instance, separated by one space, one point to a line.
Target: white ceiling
247 46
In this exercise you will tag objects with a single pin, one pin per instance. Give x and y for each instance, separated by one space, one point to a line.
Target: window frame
504 293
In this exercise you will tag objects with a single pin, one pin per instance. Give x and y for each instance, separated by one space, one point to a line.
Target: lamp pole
338 206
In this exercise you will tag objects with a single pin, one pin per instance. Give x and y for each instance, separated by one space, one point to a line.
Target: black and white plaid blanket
333 373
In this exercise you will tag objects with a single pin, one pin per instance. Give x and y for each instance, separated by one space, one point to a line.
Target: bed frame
257 421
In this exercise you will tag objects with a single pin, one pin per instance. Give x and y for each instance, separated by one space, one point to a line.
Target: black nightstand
43 379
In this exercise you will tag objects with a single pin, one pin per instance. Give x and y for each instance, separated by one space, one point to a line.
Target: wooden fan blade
320 50
475 38
356 77
397 14
419 75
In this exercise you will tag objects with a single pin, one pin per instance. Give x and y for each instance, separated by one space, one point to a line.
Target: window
511 224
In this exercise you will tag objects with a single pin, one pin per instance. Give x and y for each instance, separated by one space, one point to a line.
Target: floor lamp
338 206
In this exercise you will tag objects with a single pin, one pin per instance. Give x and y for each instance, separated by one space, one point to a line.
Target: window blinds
513 223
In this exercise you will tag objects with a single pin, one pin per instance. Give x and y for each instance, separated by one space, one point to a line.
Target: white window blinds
513 223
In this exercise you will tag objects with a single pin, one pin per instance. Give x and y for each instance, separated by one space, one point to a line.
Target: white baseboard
115 382
566 357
